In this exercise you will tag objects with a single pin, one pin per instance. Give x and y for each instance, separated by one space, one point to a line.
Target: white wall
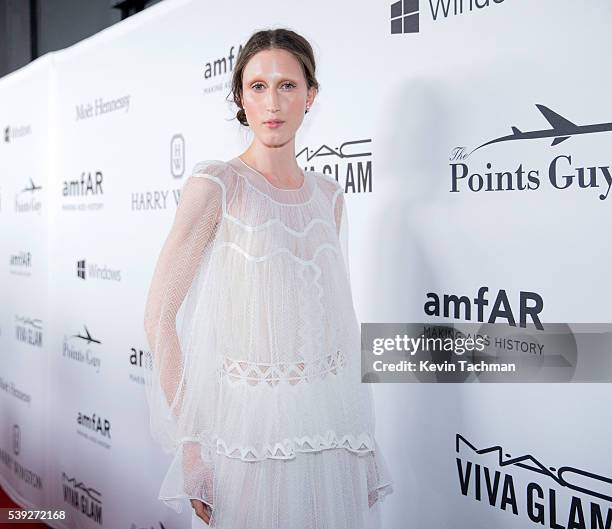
401 103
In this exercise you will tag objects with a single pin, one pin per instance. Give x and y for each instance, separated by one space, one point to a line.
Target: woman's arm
195 222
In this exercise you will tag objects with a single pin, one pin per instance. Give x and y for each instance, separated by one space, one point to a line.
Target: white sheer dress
253 374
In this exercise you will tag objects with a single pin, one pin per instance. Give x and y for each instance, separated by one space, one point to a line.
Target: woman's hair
280 38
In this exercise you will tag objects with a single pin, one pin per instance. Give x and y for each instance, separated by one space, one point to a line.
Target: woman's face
274 88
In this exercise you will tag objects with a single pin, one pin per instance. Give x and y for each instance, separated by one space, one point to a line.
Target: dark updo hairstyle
267 39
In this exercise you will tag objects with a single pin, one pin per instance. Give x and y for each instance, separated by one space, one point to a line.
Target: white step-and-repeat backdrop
99 138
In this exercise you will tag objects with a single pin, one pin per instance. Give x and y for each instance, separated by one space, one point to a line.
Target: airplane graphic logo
87 337
569 477
33 187
562 129
405 16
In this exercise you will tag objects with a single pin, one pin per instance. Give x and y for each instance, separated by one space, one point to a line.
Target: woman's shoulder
210 167
215 172
328 184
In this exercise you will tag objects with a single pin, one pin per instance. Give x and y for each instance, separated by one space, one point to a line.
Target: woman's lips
273 124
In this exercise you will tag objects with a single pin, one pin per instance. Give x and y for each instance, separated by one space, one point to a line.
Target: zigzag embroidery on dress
254 373
287 449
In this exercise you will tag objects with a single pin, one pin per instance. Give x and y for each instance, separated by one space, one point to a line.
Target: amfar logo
86 500
22 259
95 423
525 486
20 264
559 169
177 155
26 200
219 66
93 271
350 164
87 185
135 360
29 330
405 13
81 352
449 306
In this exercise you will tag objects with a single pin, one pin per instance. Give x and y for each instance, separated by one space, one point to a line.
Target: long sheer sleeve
166 369
379 482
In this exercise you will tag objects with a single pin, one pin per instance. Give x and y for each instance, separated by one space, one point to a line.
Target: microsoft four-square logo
81 269
405 16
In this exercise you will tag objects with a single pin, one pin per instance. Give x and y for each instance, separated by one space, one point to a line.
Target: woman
260 399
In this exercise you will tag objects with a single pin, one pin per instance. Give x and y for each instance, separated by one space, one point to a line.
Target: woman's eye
257 85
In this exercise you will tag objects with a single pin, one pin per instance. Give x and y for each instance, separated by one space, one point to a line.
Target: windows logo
405 16
81 269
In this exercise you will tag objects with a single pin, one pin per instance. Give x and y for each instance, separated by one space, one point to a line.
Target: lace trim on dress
287 448
255 373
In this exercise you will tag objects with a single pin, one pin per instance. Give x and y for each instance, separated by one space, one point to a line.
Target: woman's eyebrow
281 80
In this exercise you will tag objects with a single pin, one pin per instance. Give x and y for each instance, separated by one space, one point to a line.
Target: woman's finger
203 511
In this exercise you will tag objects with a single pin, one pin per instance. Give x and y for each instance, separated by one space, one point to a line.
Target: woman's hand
198 479
372 498
202 510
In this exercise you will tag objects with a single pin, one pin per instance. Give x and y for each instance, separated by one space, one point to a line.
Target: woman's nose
272 100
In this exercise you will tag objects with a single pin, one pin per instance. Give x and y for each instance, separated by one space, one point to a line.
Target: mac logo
529 488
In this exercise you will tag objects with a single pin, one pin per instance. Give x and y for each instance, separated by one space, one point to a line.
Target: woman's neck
280 168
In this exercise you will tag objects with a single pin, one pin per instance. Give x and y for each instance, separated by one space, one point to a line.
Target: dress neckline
295 196
296 189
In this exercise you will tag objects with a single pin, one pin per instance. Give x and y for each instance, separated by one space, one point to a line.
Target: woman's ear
312 93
